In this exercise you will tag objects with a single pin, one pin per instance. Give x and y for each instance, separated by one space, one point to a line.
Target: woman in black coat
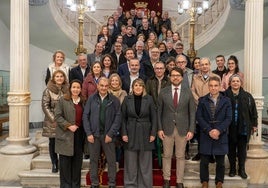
244 122
139 127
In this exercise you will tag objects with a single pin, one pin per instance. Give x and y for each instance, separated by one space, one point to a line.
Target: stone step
43 162
41 178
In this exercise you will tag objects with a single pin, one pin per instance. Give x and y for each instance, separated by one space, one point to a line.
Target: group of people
140 95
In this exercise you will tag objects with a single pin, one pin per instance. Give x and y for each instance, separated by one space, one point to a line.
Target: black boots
55 168
242 173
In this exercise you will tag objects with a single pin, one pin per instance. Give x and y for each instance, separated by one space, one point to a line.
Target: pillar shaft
19 95
254 65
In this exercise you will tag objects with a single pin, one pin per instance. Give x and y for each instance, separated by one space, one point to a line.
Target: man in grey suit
176 123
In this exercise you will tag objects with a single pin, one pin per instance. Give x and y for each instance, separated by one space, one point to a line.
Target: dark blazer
91 116
152 86
221 122
91 58
139 128
247 114
126 81
76 73
183 117
122 59
123 69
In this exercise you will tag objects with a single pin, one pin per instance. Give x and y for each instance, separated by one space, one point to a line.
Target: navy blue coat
221 122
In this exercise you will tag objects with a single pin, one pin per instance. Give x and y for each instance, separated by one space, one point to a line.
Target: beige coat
200 86
50 98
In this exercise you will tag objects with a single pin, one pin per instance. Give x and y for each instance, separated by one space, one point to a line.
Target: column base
11 165
18 147
256 164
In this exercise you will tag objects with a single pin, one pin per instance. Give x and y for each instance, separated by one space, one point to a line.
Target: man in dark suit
118 54
96 55
134 73
176 123
179 50
80 72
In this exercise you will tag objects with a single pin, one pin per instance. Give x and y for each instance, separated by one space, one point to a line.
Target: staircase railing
68 20
208 25
211 20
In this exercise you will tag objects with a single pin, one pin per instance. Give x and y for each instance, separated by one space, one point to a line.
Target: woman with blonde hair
56 87
58 64
116 87
139 128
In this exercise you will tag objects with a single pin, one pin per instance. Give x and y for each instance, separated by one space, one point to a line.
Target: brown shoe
205 184
219 185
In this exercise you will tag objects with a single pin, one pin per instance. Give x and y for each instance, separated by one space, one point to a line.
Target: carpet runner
157 175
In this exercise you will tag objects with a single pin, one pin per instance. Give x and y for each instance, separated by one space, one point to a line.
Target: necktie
175 98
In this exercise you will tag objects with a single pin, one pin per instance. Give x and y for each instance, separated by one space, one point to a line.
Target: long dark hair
113 65
232 57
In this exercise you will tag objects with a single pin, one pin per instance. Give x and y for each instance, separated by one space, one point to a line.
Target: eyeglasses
178 48
155 52
159 68
175 75
180 62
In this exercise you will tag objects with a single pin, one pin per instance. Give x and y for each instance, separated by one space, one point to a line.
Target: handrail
208 21
68 22
205 22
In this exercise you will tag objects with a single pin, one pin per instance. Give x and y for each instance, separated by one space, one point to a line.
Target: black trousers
220 168
238 149
70 166
53 155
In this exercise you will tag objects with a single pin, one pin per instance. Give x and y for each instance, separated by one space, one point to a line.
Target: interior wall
39 60
4 47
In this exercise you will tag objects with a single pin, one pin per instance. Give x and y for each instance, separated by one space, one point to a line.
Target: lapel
168 97
144 104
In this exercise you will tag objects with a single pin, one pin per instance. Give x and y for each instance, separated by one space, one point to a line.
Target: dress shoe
187 156
94 186
232 173
166 184
55 168
242 174
219 185
112 186
179 185
86 156
196 157
205 184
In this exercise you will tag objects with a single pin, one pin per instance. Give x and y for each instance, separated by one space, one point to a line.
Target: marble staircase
40 175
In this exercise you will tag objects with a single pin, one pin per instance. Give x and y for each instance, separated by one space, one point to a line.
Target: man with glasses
96 55
181 62
179 50
149 65
80 72
118 54
176 123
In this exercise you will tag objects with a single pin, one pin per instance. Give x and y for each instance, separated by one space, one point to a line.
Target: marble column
19 95
17 155
257 157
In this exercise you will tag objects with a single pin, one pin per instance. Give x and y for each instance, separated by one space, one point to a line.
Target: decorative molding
38 2
18 99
